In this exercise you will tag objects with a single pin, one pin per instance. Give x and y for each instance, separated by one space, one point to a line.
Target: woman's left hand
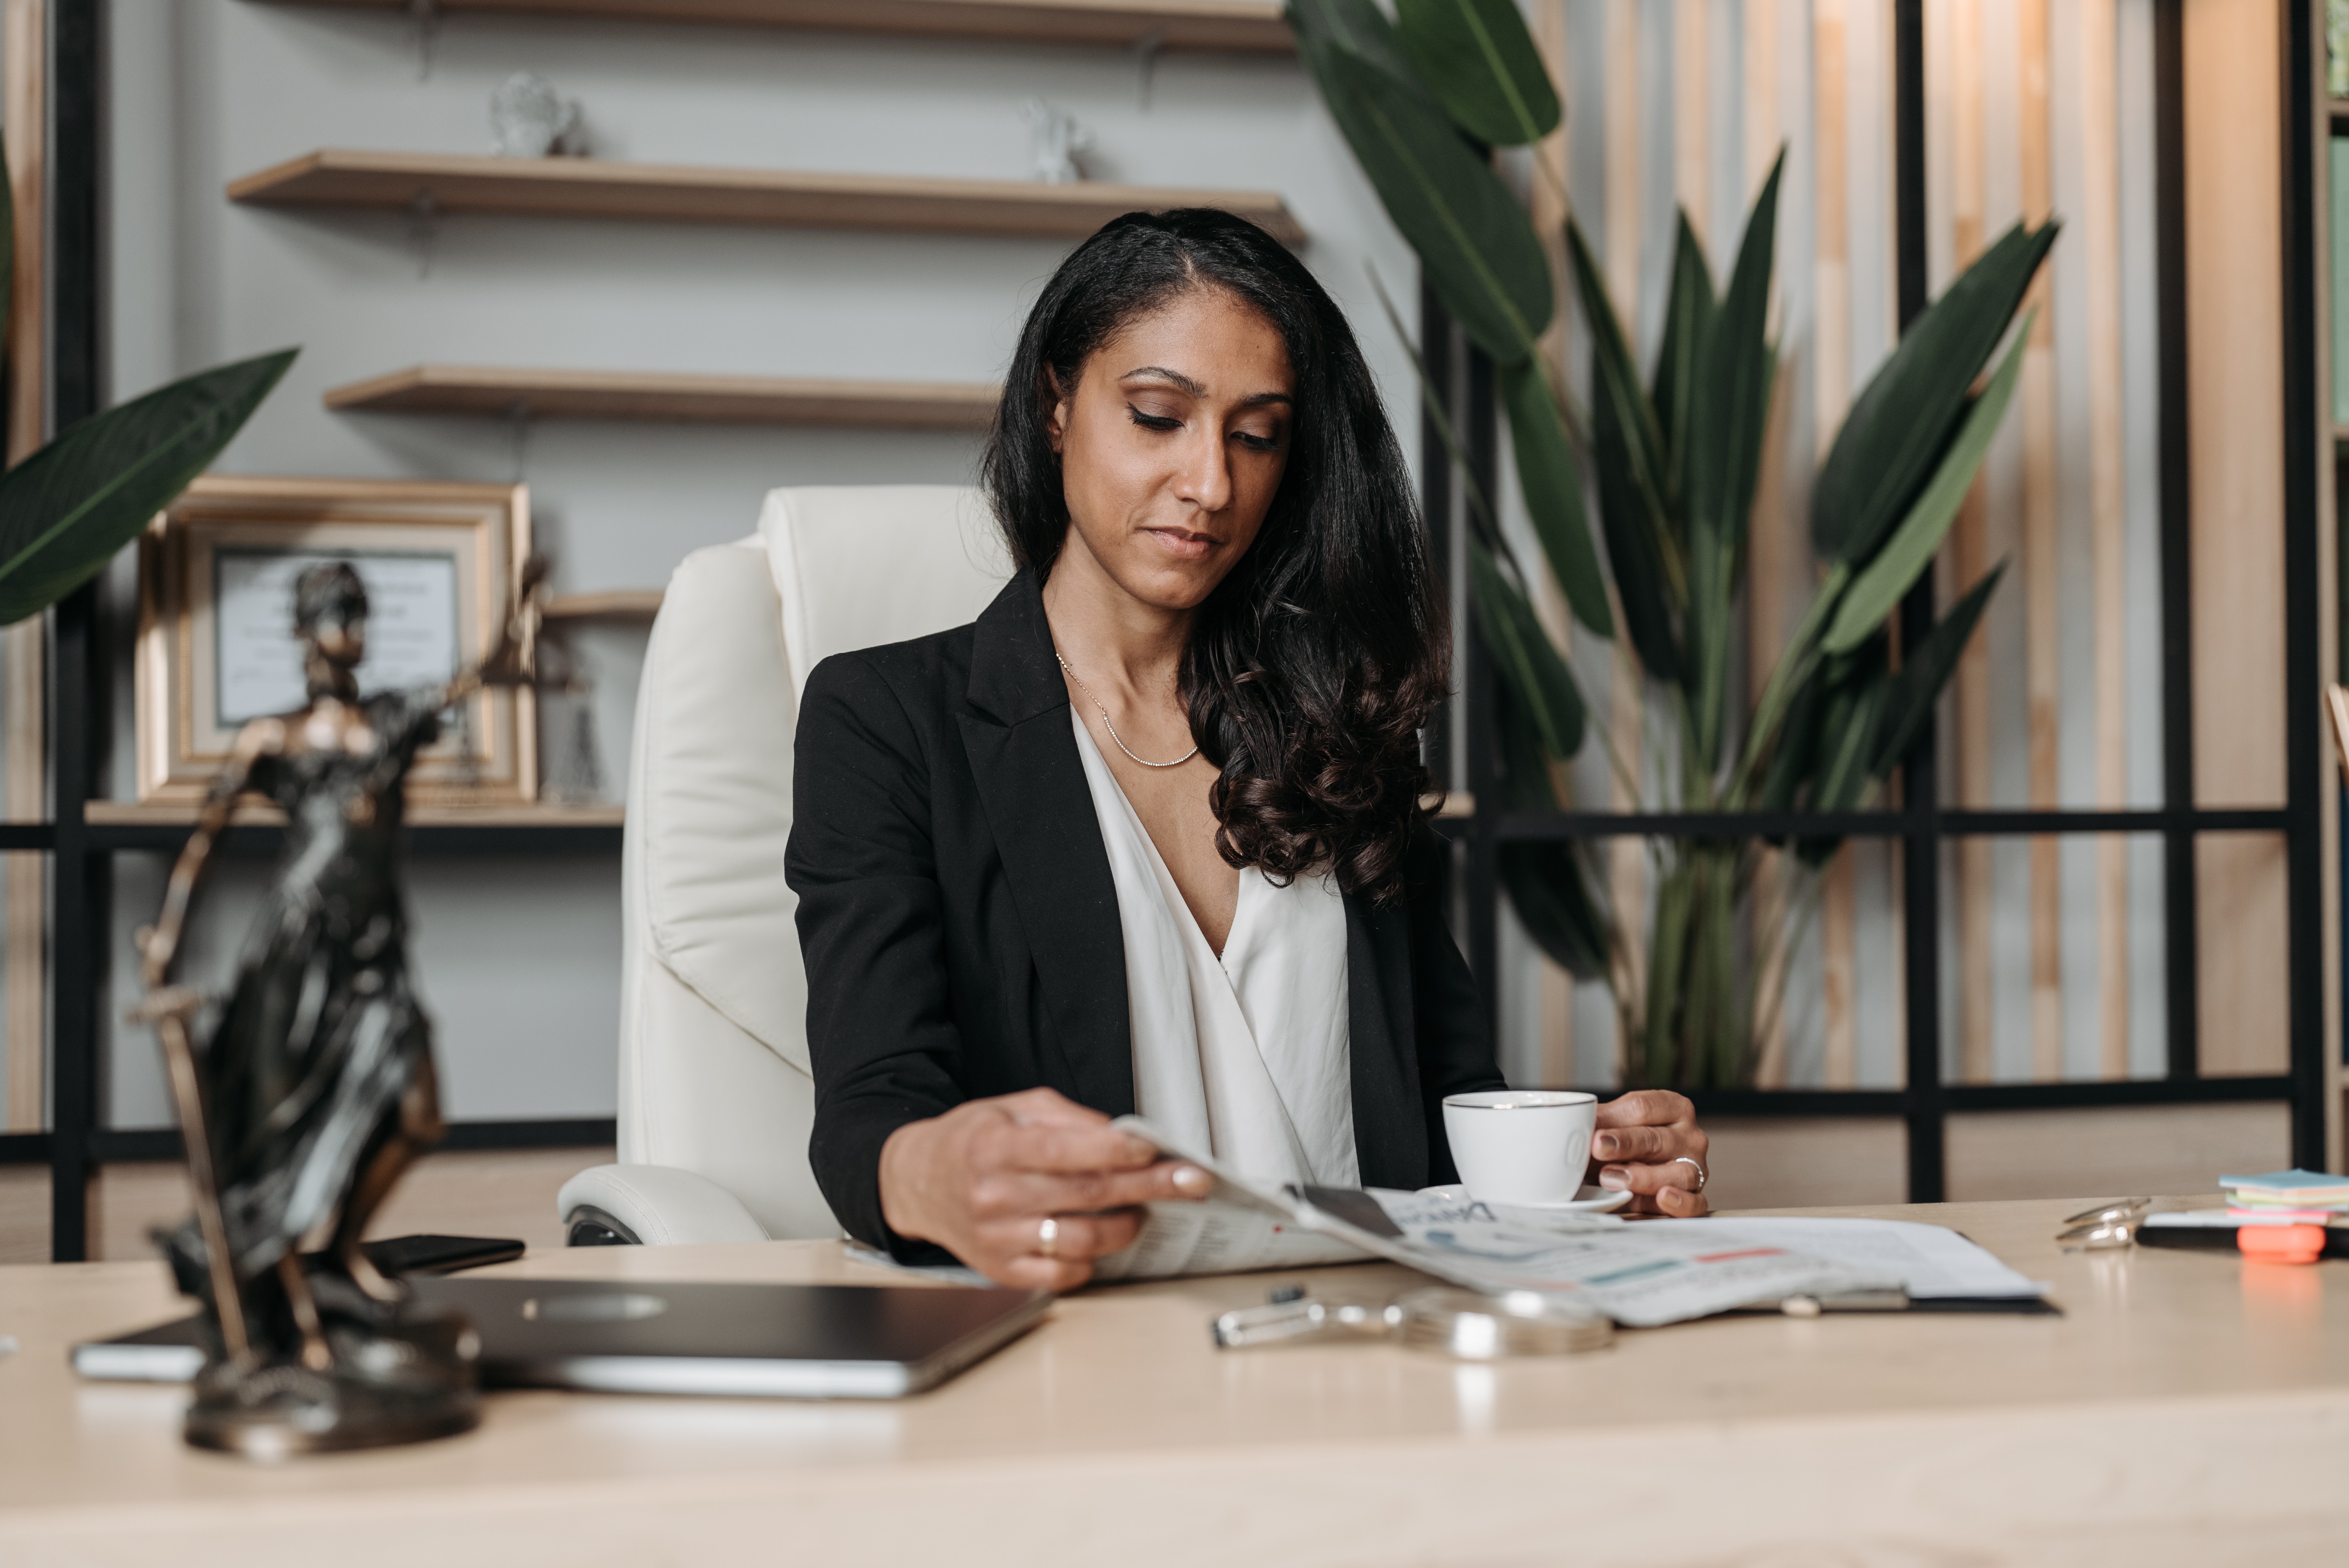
1649 1142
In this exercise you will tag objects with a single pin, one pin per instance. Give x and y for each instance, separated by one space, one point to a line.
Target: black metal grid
1461 376
81 853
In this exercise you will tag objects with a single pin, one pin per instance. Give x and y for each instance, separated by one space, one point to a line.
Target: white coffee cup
1521 1145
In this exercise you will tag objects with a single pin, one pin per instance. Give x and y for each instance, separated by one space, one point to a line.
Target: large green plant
1672 458
67 509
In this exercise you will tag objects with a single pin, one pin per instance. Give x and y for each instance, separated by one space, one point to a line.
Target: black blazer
961 926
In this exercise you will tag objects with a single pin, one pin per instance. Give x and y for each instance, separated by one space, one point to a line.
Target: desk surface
2186 1407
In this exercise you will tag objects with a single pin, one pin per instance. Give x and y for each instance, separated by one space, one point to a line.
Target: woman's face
1172 446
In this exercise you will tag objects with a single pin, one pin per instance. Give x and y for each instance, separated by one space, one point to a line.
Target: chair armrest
651 1205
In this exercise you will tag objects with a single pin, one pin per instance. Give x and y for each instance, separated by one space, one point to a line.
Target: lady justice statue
315 1089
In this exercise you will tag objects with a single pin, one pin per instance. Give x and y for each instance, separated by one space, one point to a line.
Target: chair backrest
713 1043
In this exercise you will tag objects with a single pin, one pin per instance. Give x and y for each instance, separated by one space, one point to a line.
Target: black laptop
795 1341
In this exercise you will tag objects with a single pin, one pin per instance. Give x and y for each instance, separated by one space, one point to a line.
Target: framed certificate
216 645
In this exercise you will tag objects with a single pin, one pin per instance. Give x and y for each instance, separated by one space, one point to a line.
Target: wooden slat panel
1831 379
2234 311
597 188
23 686
1692 115
634 394
1961 29
1777 551
2234 276
2099 235
2041 571
1252 25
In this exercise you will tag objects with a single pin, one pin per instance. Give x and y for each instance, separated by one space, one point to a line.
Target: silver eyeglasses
2105 1227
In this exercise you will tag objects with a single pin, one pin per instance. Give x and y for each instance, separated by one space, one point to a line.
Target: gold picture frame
214 583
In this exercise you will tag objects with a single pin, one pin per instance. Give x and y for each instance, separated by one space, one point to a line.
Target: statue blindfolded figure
316 1088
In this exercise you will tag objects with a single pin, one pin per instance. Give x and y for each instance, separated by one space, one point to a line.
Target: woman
1147 835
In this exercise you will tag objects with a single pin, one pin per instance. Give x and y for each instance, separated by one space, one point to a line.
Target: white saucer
1589 1200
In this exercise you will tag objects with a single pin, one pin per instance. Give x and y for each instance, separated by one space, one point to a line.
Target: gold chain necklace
1122 746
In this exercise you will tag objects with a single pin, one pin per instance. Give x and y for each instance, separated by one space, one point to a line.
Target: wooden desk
2187 1408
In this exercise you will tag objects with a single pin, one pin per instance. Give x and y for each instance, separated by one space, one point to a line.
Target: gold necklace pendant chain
1122 746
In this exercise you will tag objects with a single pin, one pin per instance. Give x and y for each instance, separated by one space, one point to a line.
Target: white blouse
1247 1054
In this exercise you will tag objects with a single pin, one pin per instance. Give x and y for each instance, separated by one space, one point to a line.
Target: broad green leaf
1843 784
1794 757
1626 456
1635 543
1480 62
1728 408
1549 883
1474 241
1882 583
1481 521
1550 889
1688 316
1668 945
1615 382
1356 25
1526 659
1924 675
1901 420
1730 411
67 509
1551 482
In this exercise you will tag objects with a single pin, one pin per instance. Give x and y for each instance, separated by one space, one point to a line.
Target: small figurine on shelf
316 1088
1055 139
530 120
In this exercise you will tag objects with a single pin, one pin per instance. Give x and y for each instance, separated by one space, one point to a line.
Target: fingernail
1615 1178
1190 1179
1604 1146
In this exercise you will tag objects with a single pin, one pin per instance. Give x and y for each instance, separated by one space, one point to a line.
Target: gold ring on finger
1047 1237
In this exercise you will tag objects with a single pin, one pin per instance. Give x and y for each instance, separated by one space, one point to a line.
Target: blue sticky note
2286 1181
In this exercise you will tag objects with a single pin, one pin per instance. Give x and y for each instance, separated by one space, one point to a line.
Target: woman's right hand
981 1181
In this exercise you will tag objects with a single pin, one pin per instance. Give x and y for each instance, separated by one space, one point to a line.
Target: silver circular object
1478 1328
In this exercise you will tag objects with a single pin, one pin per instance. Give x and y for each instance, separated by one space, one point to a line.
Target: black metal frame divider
81 853
1463 377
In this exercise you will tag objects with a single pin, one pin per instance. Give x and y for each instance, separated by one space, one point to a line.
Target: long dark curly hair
1314 666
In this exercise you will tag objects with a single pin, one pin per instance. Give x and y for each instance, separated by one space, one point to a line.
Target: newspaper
1640 1275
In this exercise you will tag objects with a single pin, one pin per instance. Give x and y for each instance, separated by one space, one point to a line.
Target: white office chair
715 1100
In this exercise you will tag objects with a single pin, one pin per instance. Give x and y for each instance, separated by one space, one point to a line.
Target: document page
1213 1237
1640 1275
1931 1261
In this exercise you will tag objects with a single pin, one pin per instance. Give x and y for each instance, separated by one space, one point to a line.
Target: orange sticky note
2281 1243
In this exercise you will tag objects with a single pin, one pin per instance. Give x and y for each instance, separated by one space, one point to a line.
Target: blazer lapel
1024 758
1389 1125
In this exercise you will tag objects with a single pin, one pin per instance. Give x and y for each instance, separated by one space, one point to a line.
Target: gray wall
521 957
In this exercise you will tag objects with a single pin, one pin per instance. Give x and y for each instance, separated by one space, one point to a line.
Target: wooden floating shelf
703 399
616 604
594 188
1251 25
131 814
